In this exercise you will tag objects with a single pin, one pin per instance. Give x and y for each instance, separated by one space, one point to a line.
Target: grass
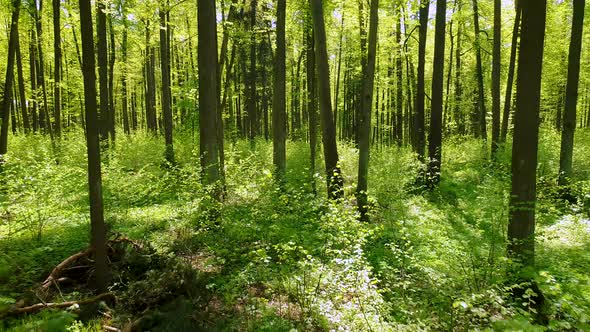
285 258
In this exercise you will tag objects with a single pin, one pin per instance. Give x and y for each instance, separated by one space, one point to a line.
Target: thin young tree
98 229
571 97
496 64
279 98
102 57
479 117
365 112
521 227
207 63
436 113
510 80
57 55
7 93
334 179
166 92
419 126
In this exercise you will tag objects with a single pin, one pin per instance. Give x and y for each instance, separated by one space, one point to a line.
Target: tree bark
7 95
207 62
166 92
334 179
365 112
420 93
435 139
21 88
496 64
98 229
509 83
571 98
57 66
101 34
521 227
480 127
279 116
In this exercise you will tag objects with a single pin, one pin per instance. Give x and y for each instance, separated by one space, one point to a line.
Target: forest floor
278 259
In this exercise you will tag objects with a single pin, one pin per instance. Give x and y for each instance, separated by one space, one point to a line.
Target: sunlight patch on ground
570 231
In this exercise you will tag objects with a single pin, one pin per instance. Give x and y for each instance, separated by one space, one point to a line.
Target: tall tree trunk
111 117
57 66
458 111
480 115
166 92
497 62
8 82
521 227
399 128
251 97
279 115
420 93
98 229
207 51
365 113
511 70
33 78
44 118
124 73
435 139
21 88
101 34
571 98
311 100
334 179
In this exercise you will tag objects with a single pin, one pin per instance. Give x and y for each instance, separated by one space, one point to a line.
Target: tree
7 95
497 54
419 126
435 139
279 97
98 229
510 81
521 227
101 34
365 112
57 66
479 117
166 92
334 179
571 97
207 59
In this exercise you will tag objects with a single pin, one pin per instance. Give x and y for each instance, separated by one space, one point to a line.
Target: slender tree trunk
311 101
33 77
166 96
57 66
571 98
435 139
334 179
101 33
7 95
251 97
497 62
420 93
399 128
98 229
458 112
21 88
207 51
111 113
521 228
41 71
365 113
279 115
511 70
124 73
480 116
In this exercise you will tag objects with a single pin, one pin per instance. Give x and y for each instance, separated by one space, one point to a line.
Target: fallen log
40 306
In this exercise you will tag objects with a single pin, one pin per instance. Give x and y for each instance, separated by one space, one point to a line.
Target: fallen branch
39 306
54 275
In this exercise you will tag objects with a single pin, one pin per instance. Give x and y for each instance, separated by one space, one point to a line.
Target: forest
301 165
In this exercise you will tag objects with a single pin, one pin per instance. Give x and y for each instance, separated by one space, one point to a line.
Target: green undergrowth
279 258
